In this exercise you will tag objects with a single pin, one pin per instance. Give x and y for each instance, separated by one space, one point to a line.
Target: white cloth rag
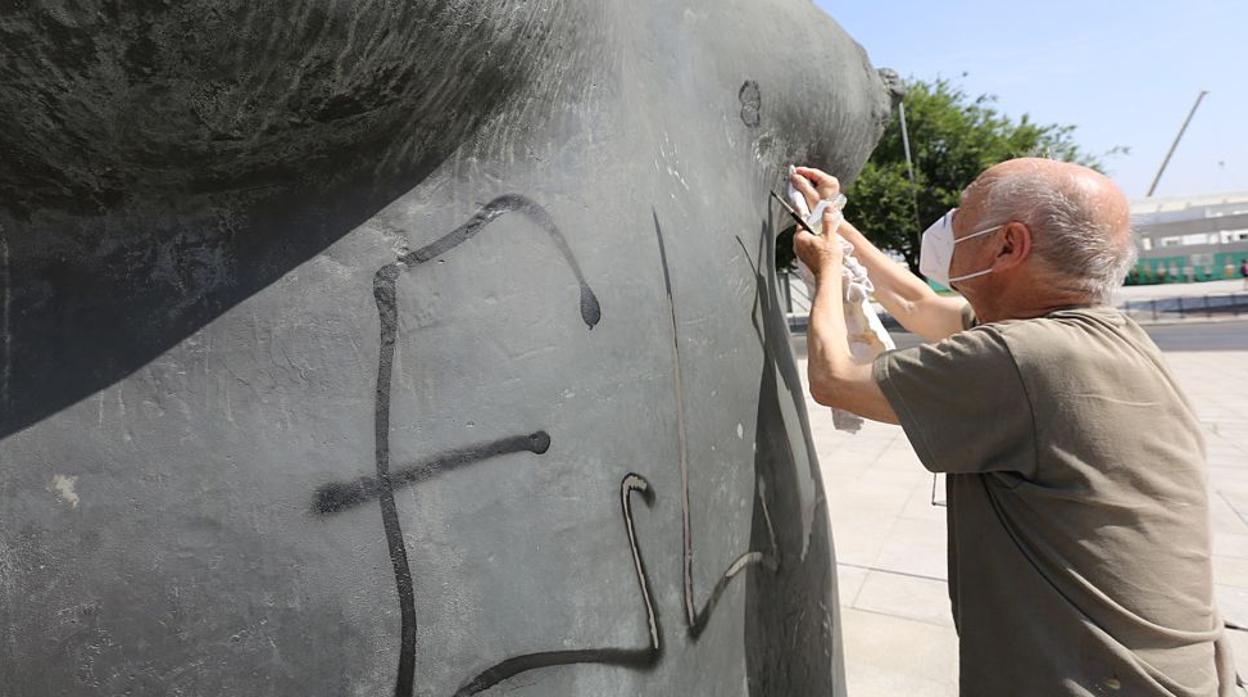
867 336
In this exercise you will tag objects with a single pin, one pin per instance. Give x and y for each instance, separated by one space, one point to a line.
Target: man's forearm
827 339
904 295
896 288
836 380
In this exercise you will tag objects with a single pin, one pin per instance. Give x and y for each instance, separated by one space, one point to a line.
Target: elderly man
1079 540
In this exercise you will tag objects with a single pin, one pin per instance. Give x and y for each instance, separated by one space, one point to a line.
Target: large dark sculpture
411 348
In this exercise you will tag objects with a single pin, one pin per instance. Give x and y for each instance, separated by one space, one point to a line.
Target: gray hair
1074 238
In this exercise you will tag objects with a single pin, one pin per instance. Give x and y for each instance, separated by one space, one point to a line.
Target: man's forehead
972 193
972 196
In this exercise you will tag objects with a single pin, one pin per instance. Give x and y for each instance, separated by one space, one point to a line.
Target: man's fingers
803 185
827 185
802 240
831 221
813 173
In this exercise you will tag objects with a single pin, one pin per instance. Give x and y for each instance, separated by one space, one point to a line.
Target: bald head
1078 218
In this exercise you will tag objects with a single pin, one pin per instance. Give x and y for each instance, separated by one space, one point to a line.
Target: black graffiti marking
591 311
339 496
639 658
696 619
385 295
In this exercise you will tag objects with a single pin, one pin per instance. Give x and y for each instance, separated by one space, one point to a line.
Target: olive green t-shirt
1079 538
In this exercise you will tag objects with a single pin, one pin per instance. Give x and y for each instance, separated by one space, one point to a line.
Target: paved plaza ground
890 539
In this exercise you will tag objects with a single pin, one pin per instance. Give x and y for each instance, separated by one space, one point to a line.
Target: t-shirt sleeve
962 403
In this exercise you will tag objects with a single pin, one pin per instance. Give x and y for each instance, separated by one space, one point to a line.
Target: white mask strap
971 275
977 234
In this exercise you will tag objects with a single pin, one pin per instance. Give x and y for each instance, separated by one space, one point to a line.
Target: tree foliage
953 138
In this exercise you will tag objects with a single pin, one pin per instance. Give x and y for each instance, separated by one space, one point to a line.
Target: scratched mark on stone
63 486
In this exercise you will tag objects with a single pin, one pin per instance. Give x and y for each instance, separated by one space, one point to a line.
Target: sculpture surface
425 348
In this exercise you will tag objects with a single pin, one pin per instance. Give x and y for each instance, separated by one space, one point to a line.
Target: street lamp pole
1175 144
914 185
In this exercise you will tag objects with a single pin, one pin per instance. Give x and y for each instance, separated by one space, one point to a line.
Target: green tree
952 139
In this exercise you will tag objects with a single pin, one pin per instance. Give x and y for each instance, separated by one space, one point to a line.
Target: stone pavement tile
1231 483
1233 604
915 546
1207 412
1225 519
900 455
904 479
1236 497
851 498
859 540
871 681
1222 452
1231 490
849 582
1234 433
1229 545
872 434
890 656
1202 373
1230 571
842 454
1228 399
919 505
910 597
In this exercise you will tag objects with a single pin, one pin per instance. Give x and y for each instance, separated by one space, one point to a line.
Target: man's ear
1015 246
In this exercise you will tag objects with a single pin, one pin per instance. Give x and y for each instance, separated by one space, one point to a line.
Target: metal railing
797 303
1182 307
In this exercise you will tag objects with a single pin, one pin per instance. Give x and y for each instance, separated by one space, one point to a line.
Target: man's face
975 254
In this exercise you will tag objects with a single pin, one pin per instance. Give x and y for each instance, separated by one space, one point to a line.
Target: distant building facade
1189 238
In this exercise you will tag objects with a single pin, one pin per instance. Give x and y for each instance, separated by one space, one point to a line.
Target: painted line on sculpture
385 295
682 449
339 496
697 619
639 658
591 311
757 301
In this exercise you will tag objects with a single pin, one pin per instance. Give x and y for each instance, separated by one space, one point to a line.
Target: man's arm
906 296
836 380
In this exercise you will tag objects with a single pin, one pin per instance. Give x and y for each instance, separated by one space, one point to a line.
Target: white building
1190 238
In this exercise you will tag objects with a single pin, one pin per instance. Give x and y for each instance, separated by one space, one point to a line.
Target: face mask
936 250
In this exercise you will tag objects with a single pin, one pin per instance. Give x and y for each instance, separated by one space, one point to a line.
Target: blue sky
1124 73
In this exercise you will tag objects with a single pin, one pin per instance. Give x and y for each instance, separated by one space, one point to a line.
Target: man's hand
818 253
836 380
907 297
816 185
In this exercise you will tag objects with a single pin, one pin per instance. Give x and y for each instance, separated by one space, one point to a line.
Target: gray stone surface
333 332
